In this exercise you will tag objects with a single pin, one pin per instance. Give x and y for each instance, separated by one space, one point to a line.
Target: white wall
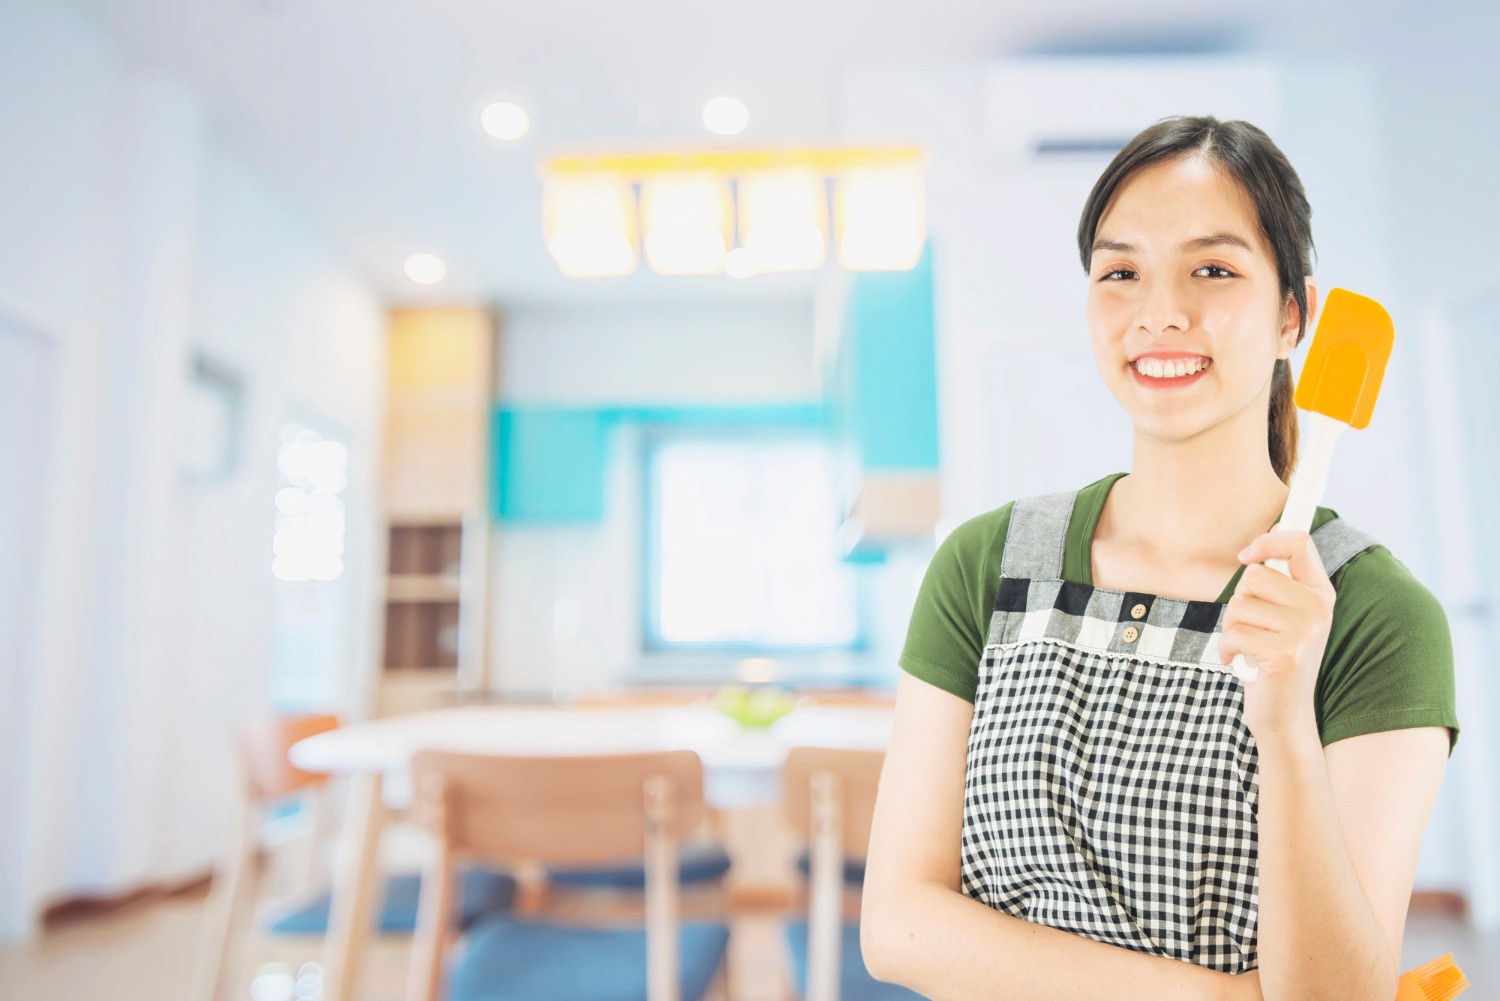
1436 85
667 353
131 239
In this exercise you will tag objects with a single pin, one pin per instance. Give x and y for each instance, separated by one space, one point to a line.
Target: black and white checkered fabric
1112 783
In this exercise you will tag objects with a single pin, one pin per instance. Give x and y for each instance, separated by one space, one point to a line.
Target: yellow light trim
638 166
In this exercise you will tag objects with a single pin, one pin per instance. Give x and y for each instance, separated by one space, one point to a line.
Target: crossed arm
1340 832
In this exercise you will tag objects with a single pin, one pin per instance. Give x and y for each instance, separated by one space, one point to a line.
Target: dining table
741 769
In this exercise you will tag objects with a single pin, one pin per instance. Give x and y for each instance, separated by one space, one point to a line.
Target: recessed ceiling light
426 269
725 116
505 121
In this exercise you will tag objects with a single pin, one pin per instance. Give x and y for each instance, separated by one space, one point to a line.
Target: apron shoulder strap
1039 529
1034 542
1339 542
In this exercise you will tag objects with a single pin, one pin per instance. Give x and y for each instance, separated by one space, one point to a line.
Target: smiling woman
1080 797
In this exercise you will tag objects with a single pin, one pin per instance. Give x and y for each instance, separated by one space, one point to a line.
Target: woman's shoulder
1370 580
982 531
1389 657
982 537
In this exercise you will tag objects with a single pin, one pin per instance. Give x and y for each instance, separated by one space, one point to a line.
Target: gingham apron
1112 783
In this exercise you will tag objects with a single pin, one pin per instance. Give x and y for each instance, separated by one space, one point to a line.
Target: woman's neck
1196 499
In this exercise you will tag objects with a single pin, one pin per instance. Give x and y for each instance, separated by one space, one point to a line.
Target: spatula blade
1346 362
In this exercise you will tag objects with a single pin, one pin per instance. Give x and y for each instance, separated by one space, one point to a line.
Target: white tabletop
740 764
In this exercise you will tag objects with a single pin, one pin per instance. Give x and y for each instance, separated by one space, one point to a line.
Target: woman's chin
1173 427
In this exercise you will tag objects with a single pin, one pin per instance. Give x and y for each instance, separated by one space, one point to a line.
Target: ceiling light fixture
783 219
687 222
779 210
726 116
589 223
881 219
738 263
505 121
425 269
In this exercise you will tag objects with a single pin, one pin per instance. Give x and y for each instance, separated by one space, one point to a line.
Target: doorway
28 374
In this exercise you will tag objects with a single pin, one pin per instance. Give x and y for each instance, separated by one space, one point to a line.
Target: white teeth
1158 369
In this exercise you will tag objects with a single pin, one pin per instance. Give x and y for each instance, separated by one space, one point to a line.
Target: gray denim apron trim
1111 784
1039 529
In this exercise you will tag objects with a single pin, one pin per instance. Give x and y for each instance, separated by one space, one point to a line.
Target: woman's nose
1162 305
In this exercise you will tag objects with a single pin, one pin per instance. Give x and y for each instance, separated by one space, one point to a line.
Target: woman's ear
1289 327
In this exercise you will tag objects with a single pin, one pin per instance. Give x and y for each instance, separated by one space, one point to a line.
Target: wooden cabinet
424 589
441 393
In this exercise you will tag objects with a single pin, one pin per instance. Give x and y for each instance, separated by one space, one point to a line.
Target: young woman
1080 800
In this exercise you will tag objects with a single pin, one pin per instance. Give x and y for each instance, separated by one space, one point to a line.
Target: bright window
740 548
309 539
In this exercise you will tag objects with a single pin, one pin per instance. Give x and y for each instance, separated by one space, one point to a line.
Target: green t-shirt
1388 664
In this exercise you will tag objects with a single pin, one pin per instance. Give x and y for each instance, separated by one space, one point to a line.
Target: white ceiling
364 114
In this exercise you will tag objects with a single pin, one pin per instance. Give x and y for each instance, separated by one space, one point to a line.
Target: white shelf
421 587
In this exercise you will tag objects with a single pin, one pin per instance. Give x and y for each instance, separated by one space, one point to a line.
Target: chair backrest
263 744
855 777
829 800
557 810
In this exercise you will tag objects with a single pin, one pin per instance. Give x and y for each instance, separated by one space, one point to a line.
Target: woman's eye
1221 273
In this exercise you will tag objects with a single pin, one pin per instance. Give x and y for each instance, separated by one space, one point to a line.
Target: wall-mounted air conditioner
1038 109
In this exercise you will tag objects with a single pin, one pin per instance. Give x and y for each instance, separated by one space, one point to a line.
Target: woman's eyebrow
1199 243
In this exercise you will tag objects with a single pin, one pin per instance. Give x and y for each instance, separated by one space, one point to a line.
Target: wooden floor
146 952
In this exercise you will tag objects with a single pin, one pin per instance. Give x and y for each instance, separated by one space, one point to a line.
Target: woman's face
1180 270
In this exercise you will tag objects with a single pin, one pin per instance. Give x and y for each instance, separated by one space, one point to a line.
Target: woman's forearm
946 945
1317 935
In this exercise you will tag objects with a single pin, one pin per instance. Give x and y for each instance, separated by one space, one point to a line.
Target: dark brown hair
1249 156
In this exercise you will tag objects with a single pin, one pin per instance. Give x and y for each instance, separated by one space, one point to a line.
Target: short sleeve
945 637
1389 660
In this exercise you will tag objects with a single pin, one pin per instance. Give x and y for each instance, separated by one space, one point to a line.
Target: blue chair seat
484 891
854 868
855 982
503 959
696 864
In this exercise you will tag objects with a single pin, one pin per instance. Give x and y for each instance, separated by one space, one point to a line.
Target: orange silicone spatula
1338 386
1439 980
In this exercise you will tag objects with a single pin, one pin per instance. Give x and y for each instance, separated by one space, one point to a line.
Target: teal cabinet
881 383
550 462
888 360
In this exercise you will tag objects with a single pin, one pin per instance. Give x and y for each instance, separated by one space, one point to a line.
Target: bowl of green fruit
753 708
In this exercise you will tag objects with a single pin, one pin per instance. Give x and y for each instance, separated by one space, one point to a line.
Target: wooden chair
561 811
829 802
265 775
704 861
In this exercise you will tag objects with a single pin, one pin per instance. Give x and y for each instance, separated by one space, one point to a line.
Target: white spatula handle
1303 495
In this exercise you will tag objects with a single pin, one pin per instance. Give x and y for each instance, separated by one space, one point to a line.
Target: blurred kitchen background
362 358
